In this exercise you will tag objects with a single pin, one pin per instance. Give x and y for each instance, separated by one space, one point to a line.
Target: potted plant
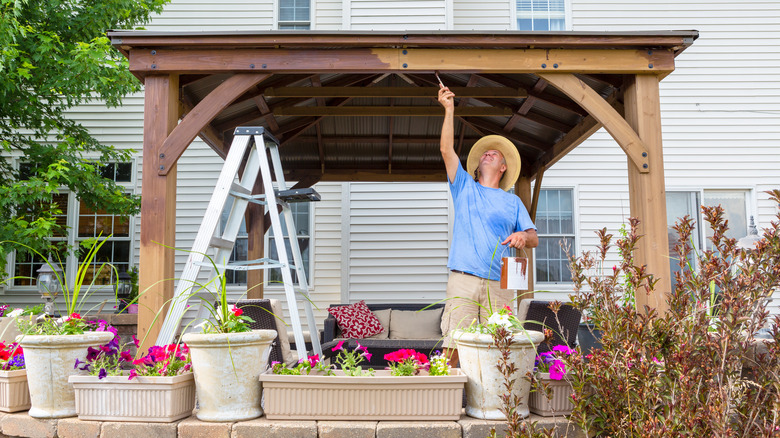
158 389
413 388
14 394
227 358
478 359
52 345
552 395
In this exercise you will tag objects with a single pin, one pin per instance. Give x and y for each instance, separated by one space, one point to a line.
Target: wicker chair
539 317
263 313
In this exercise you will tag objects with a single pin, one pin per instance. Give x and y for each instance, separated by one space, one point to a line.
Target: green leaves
54 55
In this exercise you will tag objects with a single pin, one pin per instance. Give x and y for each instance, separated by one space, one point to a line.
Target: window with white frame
555 227
85 223
302 218
537 15
736 207
294 14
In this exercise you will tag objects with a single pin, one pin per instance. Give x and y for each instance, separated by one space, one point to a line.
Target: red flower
236 311
74 315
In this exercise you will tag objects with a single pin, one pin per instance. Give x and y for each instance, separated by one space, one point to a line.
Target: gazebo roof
362 106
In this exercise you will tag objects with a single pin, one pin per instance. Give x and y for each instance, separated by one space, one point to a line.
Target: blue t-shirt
484 217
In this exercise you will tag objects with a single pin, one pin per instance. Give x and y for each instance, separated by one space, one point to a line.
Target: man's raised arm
447 143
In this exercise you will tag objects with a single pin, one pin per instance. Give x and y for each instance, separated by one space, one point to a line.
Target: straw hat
507 149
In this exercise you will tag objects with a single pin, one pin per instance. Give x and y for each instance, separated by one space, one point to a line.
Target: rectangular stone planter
14 394
143 399
379 397
560 404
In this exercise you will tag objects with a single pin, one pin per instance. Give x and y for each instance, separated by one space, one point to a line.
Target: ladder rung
238 188
254 199
221 243
306 194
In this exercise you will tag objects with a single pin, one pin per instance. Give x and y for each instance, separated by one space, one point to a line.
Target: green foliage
694 371
54 55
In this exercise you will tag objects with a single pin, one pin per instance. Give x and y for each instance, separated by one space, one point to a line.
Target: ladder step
238 188
306 194
221 243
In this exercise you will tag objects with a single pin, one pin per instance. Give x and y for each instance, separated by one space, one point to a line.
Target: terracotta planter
560 404
147 399
478 358
14 394
50 361
379 397
227 368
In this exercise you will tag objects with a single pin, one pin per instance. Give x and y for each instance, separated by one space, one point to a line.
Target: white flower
498 319
14 313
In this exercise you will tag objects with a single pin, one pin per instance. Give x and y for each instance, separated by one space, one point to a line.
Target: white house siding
209 15
397 242
395 15
482 15
720 109
328 14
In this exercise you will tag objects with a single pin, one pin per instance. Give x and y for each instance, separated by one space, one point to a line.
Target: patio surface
21 424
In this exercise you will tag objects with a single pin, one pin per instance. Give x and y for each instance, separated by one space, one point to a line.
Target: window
541 15
681 203
555 226
301 212
294 15
88 224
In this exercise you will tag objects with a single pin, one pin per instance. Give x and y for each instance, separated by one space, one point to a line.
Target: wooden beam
158 208
411 92
255 230
373 175
464 100
315 82
538 88
208 134
401 111
262 105
378 139
560 103
602 111
402 60
537 192
647 190
203 113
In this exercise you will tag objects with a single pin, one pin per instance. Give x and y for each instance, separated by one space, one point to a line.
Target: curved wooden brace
605 114
202 114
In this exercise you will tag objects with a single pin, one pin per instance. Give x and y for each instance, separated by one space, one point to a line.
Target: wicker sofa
379 347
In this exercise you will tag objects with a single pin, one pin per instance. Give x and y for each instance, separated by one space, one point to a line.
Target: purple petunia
102 373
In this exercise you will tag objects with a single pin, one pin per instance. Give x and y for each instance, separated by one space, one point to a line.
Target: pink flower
338 346
508 309
73 315
557 370
236 311
136 341
564 349
133 373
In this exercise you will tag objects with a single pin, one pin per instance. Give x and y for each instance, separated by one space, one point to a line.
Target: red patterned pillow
356 320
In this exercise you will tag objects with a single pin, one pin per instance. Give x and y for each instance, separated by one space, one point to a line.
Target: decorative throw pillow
412 324
384 318
356 320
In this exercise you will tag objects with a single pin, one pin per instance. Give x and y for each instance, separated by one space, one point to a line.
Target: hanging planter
150 399
14 393
377 397
559 404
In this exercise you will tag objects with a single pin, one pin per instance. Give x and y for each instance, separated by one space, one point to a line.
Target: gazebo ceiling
357 106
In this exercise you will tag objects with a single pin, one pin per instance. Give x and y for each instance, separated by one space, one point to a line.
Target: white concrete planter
379 397
478 359
50 361
148 399
560 404
14 394
227 368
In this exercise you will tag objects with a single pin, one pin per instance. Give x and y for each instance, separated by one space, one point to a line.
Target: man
488 221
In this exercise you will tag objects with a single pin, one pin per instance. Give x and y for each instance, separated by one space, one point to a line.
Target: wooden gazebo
350 106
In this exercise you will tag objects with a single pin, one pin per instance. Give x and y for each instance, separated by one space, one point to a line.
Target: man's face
492 159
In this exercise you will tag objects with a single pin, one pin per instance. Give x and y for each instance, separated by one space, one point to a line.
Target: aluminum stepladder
256 144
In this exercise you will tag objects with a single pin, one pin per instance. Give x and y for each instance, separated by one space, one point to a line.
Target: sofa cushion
411 324
384 318
356 320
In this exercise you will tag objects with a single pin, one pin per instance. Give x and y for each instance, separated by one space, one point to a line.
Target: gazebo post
255 228
158 206
647 191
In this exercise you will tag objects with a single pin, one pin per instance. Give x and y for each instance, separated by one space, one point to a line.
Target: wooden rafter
473 79
381 111
602 111
316 83
266 112
208 134
411 92
521 112
203 113
536 145
559 102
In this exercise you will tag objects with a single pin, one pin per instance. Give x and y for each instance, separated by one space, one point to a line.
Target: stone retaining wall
22 425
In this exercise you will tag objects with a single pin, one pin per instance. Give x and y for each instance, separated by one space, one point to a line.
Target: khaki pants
467 300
